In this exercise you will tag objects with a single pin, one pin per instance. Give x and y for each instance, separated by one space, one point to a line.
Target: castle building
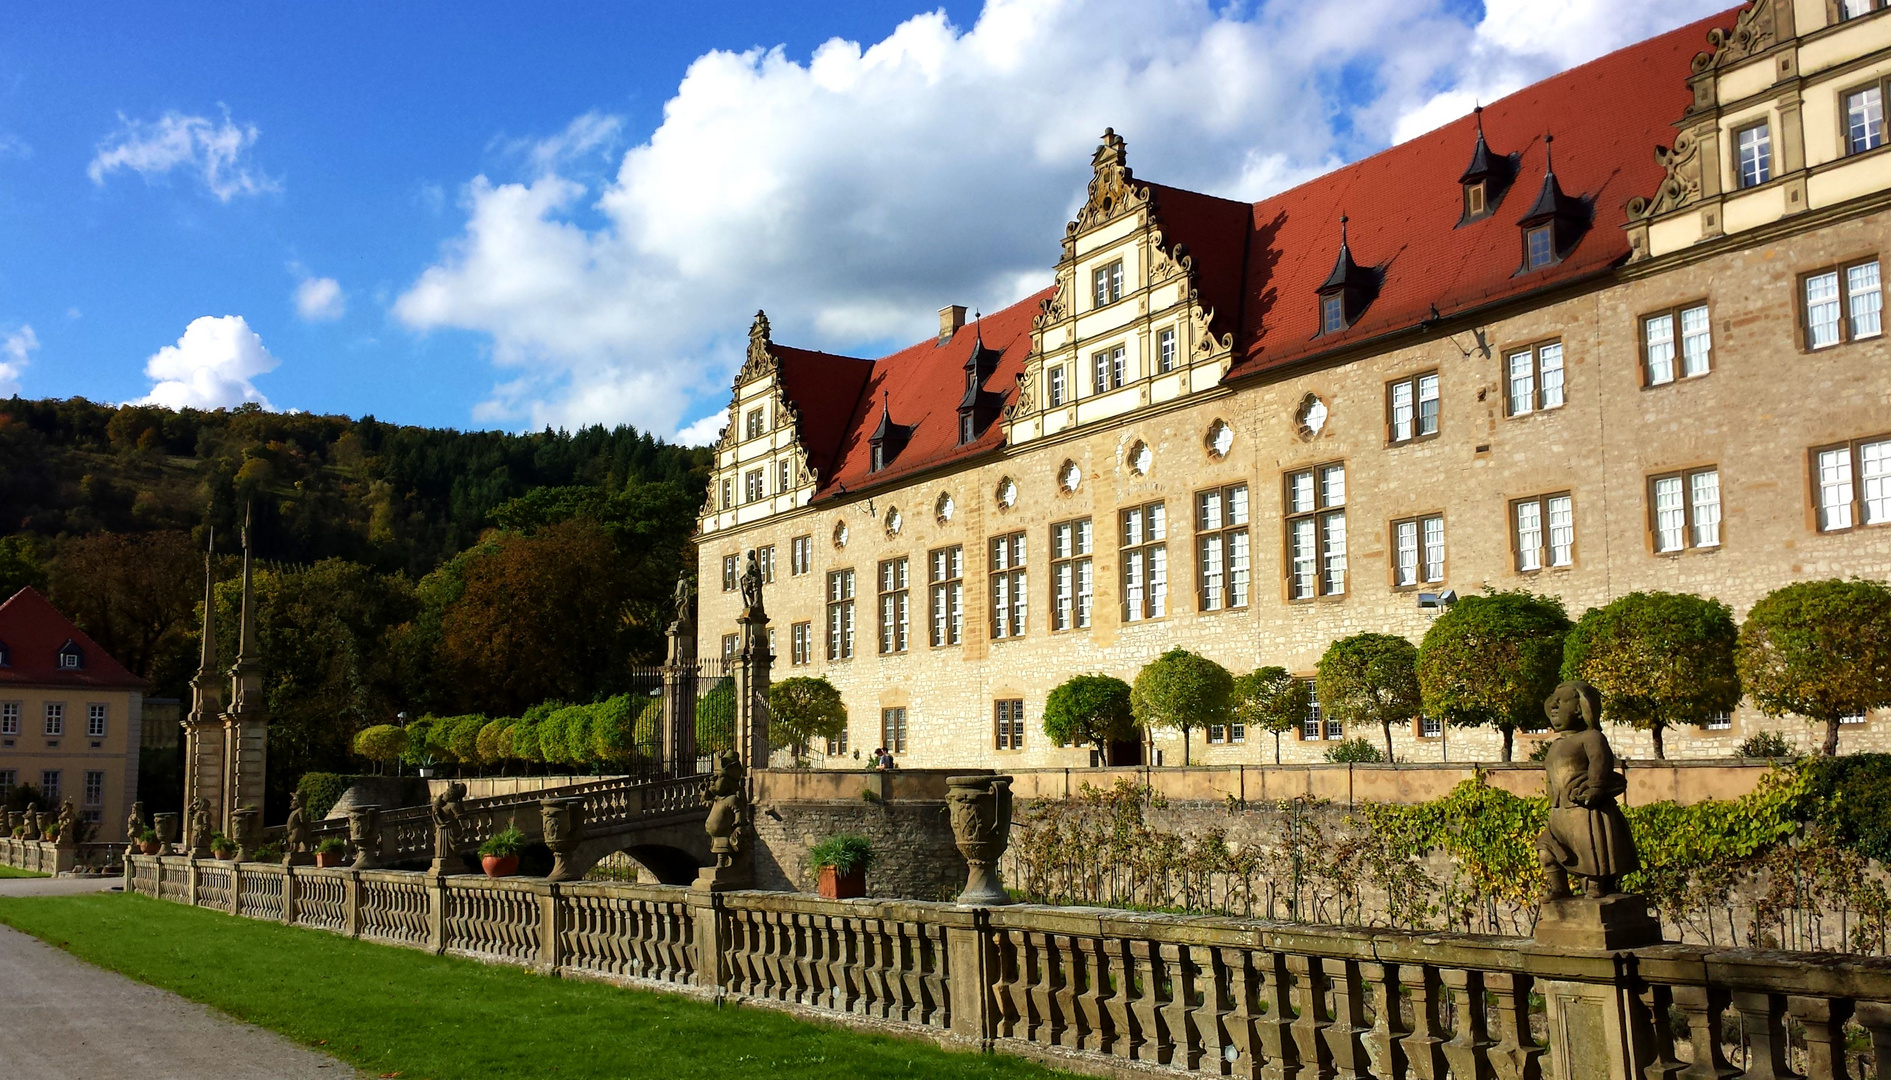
1621 330
70 716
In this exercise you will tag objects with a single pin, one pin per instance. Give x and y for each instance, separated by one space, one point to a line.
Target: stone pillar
971 970
981 824
548 952
435 884
351 905
753 660
1598 1031
676 740
712 965
288 895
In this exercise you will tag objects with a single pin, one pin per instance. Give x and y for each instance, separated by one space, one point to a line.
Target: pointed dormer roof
1484 164
887 429
35 633
1551 202
1345 270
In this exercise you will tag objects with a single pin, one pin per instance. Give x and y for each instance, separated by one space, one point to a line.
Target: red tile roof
824 389
33 632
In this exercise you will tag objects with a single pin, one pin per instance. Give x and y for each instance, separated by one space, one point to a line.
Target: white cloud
210 367
216 153
704 432
319 299
592 133
856 192
12 146
15 347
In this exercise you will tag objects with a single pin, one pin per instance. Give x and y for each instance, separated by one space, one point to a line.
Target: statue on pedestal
199 831
446 814
752 591
364 835
134 827
31 823
981 824
1587 836
247 823
296 847
725 795
165 825
68 825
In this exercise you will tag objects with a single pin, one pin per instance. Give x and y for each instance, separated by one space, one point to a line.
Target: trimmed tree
1370 679
1660 659
494 742
382 744
803 709
1820 649
1091 709
715 717
1491 661
1183 691
1271 699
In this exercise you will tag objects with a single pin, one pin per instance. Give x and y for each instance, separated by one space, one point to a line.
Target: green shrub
322 790
494 742
1357 750
1767 744
1370 679
715 718
1181 690
1089 710
1660 659
576 746
270 852
1856 789
462 738
507 841
624 728
147 836
525 740
846 853
1490 661
331 845
220 842
419 748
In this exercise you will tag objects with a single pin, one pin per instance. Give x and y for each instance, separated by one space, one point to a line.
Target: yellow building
1648 354
70 715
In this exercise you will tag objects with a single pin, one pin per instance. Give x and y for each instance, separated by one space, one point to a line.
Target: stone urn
563 825
981 824
364 836
165 825
247 824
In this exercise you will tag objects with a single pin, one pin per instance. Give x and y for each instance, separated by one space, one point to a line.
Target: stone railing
43 857
1110 991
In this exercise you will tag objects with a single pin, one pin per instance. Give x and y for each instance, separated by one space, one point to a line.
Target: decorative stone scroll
981 824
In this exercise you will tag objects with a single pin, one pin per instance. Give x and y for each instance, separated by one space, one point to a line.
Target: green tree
22 565
624 729
715 718
1370 679
382 744
1271 699
1093 709
1492 660
1183 691
1660 659
803 709
494 742
1819 649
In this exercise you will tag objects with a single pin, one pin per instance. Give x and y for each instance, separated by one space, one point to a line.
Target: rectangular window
765 561
840 615
1853 483
893 730
1756 155
755 428
1412 408
837 746
1008 724
1539 247
95 721
1720 721
728 646
947 576
1852 9
1009 592
1864 120
800 555
1843 303
784 476
894 622
95 787
1676 343
1332 313
1165 352
1544 529
1221 548
49 787
1536 378
728 493
9 779
9 718
729 572
1071 585
1314 725
1109 369
801 643
1145 561
1054 388
1107 283
752 485
1685 509
1316 531
55 718
1418 551
1430 727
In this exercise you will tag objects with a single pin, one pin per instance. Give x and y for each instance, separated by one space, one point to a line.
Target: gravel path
67 1020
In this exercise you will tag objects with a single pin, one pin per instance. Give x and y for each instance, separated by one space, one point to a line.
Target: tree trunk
1185 743
1276 747
1661 751
1830 749
1387 726
1509 739
1103 756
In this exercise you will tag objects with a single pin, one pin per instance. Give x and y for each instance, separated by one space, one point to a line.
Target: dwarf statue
1587 836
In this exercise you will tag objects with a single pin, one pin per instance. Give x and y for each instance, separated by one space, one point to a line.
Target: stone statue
981 824
752 590
134 825
31 823
683 593
446 814
197 837
297 846
724 793
1587 836
68 825
562 824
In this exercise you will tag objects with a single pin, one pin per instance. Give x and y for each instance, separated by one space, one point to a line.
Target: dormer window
888 439
70 657
1347 291
1539 247
1474 200
1486 178
979 407
1332 313
1554 223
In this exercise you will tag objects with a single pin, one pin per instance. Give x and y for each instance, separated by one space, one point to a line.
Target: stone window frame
784 476
1109 369
50 786
765 562
894 606
893 729
10 712
730 643
1080 562
755 423
837 746
945 596
1855 504
800 555
1056 387
754 485
1227 532
1740 182
840 626
801 643
1842 274
93 794
731 571
1234 733
1325 727
1544 546
1148 548
1007 725
1106 284
1415 381
1319 513
1168 350
1007 570
53 718
1689 510
1427 727
728 493
1538 393
97 719
1835 11
1842 114
1676 316
9 779
1421 568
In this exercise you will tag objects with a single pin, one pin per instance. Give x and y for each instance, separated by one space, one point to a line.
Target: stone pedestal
1593 1031
1613 922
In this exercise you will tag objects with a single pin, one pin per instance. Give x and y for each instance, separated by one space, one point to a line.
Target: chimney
950 319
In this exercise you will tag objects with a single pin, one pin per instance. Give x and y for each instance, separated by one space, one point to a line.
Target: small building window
1314 723
95 787
1009 592
1535 378
1843 303
1853 9
728 492
1411 407
840 615
879 458
49 787
1755 147
756 425
967 428
1539 247
1008 723
1544 531
895 613
1316 531
55 719
893 730
729 642
1145 561
1474 200
801 643
71 658
95 721
837 746
1071 583
1107 283
1054 389
1864 119
1430 727
800 555
9 718
1221 548
1418 551
1852 483
784 476
9 779
1720 721
1684 510
1165 352
1332 314
1682 334
765 562
730 572
947 595
1109 369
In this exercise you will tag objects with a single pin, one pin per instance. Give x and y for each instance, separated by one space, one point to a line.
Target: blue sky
509 215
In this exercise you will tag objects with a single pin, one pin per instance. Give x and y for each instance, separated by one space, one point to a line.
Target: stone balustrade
44 857
1110 991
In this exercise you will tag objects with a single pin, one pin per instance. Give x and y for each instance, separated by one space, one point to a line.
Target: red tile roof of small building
34 632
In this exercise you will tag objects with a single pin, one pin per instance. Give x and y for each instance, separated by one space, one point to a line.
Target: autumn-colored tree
1370 679
1660 659
1821 650
135 593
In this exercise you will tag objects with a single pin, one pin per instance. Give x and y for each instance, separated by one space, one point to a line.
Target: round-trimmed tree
1091 709
1370 679
1270 699
803 709
494 742
1181 690
1819 649
1491 660
382 744
1660 659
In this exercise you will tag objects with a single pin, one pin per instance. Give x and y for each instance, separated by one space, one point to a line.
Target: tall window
1536 378
947 574
9 779
1844 303
1332 313
1852 9
1054 388
1316 532
1755 146
1539 247
729 642
9 718
894 623
755 427
1853 483
55 718
1071 586
752 485
1221 547
784 476
1412 408
801 643
1165 352
893 729
1684 509
1008 588
95 721
1008 724
729 572
840 615
800 555
837 746
1682 334
1107 283
1418 551
1864 119
49 786
1314 723
728 492
1145 561
1108 369
95 787
765 562
1544 530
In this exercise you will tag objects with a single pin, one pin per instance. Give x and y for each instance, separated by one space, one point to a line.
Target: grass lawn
8 871
395 1011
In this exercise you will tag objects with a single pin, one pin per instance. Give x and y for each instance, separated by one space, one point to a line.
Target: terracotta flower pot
226 854
328 858
151 847
834 885
499 865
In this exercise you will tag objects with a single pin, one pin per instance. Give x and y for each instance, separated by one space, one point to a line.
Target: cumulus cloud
319 299
705 431
15 347
854 193
217 153
210 367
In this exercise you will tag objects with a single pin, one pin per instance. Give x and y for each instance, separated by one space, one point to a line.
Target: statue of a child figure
1587 836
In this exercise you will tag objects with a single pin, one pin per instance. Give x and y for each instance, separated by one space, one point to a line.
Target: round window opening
840 534
894 521
944 508
1220 439
1140 458
1311 416
1069 477
1007 493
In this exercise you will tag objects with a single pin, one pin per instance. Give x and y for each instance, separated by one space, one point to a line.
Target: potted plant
222 846
843 861
500 854
149 843
330 851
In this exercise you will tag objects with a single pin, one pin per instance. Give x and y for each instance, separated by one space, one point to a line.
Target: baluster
1875 1017
1424 1047
1093 1011
933 978
1276 1030
911 951
1824 1020
1140 980
1033 991
872 975
1048 1005
1310 1026
1516 1055
1243 989
1113 957
1061 963
1764 1018
806 977
1181 1042
1389 1029
1005 999
1208 1018
1346 1037
1469 1048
